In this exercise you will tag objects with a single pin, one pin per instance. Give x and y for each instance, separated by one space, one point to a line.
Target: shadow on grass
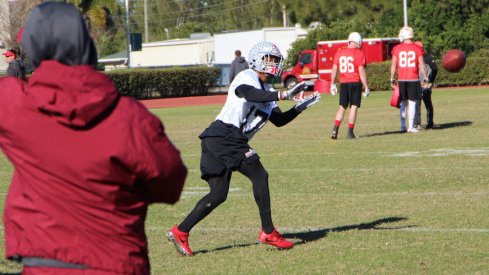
383 134
437 127
452 125
313 235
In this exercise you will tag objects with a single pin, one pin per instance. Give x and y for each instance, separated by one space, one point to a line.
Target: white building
204 49
177 52
226 43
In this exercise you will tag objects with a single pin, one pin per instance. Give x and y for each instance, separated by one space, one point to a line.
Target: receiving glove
333 89
426 84
308 102
366 93
393 83
290 94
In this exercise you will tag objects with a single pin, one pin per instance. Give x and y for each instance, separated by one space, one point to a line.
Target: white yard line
236 192
299 169
335 229
312 229
239 192
440 152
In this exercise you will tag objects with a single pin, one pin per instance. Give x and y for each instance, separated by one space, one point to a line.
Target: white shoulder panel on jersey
248 116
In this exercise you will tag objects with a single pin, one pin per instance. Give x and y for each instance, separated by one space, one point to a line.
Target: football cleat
412 130
180 240
275 239
351 135
334 133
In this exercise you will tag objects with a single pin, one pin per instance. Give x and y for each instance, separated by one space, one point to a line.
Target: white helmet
406 33
355 37
259 60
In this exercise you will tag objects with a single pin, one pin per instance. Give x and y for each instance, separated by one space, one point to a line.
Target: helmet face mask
406 33
265 57
355 37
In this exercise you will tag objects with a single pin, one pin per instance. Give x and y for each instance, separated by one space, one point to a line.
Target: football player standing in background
407 59
249 105
350 62
431 72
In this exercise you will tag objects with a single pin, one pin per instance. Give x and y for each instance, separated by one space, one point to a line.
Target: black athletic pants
429 106
219 188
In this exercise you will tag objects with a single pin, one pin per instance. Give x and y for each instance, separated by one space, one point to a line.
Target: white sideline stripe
200 191
441 152
298 169
237 193
311 229
429 229
455 193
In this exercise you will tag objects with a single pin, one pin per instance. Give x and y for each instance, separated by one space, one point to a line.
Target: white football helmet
265 57
406 33
355 37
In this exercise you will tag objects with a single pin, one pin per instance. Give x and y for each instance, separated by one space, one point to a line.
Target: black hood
57 31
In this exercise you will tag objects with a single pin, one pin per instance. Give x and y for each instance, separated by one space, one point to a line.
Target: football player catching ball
249 105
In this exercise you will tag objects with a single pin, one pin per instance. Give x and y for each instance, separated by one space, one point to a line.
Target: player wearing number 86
407 59
350 62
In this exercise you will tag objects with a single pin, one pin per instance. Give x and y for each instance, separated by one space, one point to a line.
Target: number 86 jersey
348 60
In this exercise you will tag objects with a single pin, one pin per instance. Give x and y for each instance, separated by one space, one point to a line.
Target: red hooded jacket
87 163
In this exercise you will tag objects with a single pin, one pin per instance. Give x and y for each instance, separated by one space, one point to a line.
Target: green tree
440 24
445 24
98 15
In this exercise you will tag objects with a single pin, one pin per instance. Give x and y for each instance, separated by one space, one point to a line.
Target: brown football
453 60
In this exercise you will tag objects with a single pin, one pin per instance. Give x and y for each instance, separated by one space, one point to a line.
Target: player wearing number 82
350 62
407 58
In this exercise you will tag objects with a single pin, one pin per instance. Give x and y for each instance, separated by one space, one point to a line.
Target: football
453 60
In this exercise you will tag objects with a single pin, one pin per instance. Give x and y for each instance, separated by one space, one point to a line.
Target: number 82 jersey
407 55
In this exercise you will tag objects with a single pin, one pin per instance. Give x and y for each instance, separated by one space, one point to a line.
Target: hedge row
475 72
192 81
161 83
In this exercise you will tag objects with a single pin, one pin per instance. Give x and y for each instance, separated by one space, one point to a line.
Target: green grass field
386 203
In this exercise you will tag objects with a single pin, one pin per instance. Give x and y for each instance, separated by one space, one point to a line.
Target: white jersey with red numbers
348 60
248 116
407 61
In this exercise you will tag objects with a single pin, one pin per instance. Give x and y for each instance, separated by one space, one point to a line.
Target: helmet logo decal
265 57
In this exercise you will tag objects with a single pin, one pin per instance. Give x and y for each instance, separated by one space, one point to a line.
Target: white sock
411 112
403 113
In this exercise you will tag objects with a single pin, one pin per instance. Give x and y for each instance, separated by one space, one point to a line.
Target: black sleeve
231 72
279 118
253 94
13 69
434 69
16 69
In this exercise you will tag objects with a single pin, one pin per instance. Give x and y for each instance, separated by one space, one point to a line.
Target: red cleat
180 240
275 239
